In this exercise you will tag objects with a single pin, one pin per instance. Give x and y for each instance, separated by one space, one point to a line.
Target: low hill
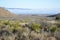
6 13
56 15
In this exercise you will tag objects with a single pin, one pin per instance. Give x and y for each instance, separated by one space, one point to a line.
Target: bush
53 28
36 27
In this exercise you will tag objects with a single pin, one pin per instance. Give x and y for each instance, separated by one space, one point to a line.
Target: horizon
32 11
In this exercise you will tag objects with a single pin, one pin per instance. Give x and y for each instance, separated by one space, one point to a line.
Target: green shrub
36 27
53 28
12 24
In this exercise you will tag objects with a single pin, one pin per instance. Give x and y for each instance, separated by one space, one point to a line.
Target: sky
31 4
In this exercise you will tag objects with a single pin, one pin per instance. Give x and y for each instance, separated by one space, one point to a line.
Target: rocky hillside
6 13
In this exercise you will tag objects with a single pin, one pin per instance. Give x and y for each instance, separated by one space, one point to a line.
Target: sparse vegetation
32 27
17 31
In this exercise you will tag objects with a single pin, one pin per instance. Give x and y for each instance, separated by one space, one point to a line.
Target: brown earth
6 13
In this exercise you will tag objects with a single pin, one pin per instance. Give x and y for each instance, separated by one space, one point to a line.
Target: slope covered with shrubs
13 30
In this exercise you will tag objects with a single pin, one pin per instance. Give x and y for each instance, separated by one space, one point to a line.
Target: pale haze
46 5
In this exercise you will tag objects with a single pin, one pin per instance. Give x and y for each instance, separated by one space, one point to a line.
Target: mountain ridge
55 15
5 13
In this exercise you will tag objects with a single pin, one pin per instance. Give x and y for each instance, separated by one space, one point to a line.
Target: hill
6 13
56 15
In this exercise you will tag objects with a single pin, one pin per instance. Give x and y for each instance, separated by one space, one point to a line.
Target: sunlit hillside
6 13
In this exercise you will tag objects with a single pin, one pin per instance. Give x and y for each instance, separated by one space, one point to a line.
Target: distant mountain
6 13
55 15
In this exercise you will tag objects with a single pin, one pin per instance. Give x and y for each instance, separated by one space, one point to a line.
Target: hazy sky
31 4
37 6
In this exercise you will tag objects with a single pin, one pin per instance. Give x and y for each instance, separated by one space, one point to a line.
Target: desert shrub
57 33
15 25
53 28
12 24
6 22
1 21
25 21
58 25
36 27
